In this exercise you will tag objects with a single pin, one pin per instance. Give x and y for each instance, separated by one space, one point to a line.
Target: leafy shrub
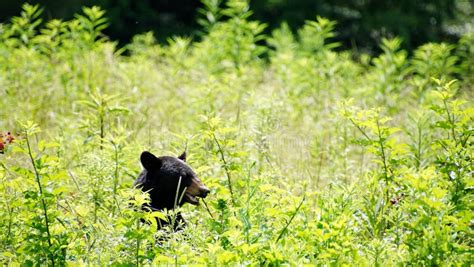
312 156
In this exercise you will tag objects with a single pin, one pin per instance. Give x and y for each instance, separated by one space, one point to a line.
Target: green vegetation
312 156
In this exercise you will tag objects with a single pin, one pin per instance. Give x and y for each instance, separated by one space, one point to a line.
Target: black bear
161 177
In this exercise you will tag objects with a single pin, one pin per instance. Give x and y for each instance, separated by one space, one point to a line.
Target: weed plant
313 155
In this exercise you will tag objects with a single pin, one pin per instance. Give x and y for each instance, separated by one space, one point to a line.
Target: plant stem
420 129
115 169
282 232
43 203
137 251
360 129
10 210
450 120
221 152
101 122
116 178
384 160
207 208
345 155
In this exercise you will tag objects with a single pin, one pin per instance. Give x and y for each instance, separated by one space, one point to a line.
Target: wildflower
396 199
10 138
5 140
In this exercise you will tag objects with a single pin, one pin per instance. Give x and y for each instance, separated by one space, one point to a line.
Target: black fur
161 177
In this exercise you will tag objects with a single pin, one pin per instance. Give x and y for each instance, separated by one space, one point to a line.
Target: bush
312 156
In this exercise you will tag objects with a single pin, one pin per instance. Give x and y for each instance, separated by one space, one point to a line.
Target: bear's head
162 176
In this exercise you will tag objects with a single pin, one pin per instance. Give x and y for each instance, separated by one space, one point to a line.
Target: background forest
361 24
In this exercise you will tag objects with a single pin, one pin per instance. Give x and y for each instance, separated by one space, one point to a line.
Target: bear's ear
149 161
183 156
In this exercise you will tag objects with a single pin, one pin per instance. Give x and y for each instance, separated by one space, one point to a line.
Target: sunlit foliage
312 156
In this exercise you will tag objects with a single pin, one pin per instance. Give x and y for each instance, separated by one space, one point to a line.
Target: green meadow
314 155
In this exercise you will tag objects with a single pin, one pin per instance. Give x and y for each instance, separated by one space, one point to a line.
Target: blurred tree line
361 23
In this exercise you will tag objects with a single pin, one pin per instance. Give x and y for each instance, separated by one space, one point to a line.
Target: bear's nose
204 192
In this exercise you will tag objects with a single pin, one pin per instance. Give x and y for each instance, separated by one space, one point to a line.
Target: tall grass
313 156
